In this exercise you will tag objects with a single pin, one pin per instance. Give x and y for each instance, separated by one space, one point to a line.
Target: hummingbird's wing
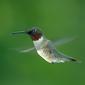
27 50
23 50
63 41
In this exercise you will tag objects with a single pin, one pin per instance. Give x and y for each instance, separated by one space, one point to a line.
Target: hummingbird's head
35 33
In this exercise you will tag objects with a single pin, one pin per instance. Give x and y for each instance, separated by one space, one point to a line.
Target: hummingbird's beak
29 32
19 32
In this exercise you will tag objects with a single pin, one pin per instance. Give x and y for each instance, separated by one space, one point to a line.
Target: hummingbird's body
46 49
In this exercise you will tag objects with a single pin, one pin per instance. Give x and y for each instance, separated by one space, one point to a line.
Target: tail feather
65 58
73 59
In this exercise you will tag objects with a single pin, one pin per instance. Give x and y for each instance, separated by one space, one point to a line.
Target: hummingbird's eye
32 32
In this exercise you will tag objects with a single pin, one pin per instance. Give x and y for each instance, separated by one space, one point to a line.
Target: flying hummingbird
45 47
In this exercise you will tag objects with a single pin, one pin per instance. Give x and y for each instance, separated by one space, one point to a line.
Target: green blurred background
57 18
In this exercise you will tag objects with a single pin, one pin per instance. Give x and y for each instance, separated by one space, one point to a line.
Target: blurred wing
27 50
63 41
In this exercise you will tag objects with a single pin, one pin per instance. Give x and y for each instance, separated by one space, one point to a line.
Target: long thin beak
19 32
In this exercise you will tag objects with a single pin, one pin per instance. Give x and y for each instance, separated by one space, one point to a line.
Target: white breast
44 56
38 42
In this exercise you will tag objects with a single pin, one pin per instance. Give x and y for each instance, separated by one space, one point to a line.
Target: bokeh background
57 19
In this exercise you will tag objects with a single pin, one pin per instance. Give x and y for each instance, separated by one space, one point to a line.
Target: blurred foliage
57 19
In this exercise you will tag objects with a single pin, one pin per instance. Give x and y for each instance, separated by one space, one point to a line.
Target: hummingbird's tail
72 59
66 58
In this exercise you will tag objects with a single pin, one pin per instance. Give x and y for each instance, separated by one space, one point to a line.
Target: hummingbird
45 47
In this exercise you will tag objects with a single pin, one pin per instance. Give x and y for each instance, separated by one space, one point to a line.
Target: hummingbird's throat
36 36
